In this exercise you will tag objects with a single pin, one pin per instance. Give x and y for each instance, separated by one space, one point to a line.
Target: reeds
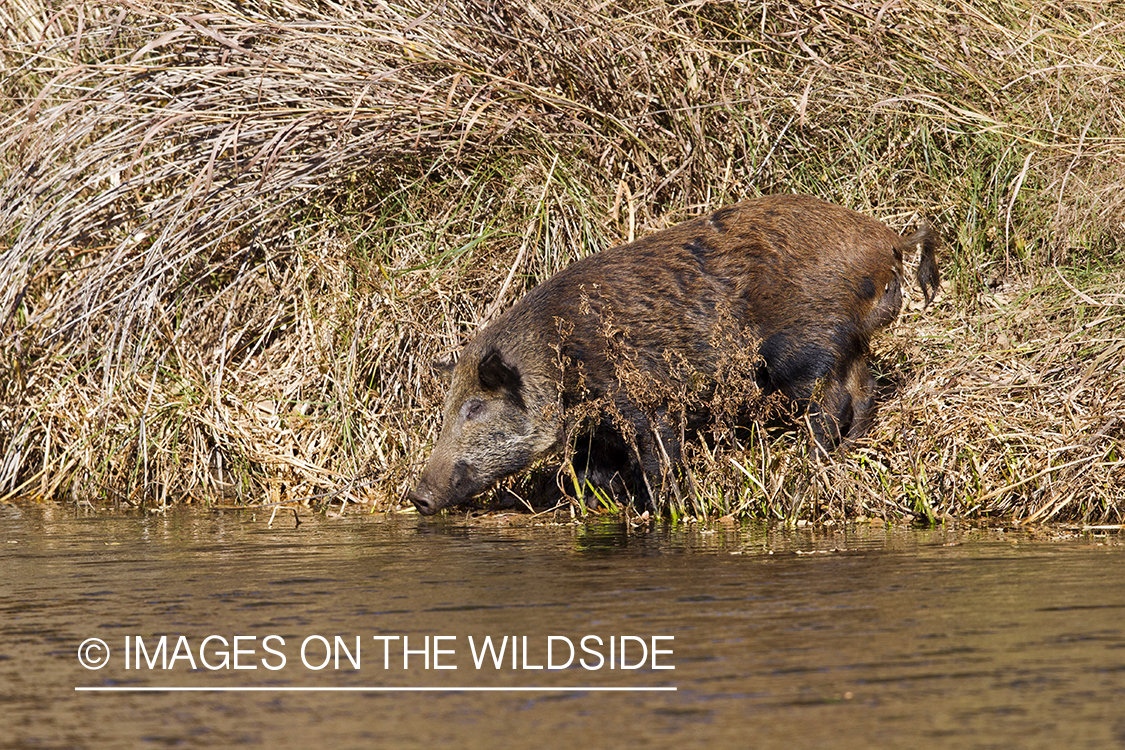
234 235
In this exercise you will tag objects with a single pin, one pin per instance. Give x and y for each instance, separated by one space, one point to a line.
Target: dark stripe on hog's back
714 267
684 282
720 220
701 254
699 250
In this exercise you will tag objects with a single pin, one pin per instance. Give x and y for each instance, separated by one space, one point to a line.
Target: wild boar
627 351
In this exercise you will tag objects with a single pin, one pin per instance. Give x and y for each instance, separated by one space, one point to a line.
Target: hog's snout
460 484
424 501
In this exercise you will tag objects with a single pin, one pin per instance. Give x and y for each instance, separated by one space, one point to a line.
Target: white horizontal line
280 689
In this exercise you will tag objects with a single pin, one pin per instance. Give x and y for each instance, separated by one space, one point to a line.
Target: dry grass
233 236
1015 412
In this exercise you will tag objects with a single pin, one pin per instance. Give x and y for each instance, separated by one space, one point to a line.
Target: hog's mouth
463 485
465 482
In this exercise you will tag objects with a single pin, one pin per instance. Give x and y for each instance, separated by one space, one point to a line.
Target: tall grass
234 235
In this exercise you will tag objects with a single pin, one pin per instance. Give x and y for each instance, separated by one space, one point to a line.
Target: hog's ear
497 375
443 368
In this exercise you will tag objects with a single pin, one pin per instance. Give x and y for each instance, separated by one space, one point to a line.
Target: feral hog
625 352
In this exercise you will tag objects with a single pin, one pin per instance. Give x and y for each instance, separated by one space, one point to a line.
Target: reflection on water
857 637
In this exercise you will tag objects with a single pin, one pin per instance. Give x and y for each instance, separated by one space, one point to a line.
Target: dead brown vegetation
233 237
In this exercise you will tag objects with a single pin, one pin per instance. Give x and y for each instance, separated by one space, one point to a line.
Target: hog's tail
929 278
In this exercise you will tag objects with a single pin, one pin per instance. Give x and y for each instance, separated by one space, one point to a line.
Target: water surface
857 637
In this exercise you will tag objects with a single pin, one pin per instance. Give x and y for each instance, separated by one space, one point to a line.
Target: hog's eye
473 408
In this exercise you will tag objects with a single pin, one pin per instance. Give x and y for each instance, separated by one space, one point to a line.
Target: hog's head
489 430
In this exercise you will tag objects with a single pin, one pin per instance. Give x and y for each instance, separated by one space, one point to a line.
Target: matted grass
233 236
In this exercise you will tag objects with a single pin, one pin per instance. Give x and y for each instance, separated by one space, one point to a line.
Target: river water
368 631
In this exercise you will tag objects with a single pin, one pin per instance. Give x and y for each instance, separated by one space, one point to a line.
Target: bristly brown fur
798 283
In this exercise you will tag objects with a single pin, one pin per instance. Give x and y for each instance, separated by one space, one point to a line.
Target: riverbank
233 239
